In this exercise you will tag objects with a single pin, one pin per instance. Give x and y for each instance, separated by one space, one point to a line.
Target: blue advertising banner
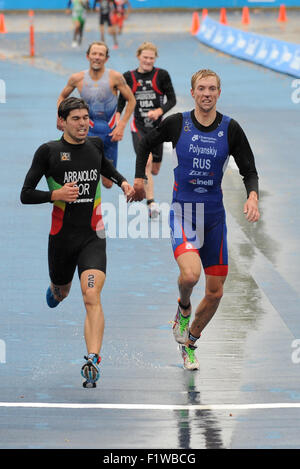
137 4
278 55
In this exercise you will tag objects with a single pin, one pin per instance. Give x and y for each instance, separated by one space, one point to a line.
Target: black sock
183 306
193 338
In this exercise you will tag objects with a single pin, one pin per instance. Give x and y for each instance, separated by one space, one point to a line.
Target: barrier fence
269 52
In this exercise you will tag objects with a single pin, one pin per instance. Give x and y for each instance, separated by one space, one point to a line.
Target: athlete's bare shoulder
76 78
116 79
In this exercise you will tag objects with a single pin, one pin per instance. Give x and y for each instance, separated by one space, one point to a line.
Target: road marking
58 405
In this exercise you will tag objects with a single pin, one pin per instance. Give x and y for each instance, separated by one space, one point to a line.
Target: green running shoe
190 361
181 326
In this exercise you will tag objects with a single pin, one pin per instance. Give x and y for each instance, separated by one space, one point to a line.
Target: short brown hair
205 72
69 104
98 43
146 46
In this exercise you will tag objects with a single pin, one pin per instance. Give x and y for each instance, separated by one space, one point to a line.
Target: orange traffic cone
2 24
282 18
223 18
245 16
31 32
195 23
204 13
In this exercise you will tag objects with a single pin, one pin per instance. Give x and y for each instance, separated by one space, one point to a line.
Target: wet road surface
246 394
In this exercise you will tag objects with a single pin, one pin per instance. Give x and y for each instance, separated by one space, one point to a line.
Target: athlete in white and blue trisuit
99 87
102 104
78 8
203 140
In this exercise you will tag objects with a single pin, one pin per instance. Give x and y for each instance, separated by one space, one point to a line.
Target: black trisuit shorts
157 152
76 247
105 18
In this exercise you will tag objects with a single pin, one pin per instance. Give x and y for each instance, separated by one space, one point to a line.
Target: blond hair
205 73
146 46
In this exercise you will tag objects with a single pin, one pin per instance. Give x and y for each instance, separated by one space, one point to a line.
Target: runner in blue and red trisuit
203 140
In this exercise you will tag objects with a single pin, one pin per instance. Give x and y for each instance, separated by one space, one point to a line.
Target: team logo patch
200 190
187 126
65 156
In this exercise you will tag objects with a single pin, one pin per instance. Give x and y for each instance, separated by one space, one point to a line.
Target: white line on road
56 405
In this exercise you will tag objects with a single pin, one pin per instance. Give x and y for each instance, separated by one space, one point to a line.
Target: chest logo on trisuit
65 156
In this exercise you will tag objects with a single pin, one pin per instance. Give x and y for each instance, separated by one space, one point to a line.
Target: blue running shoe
90 370
51 301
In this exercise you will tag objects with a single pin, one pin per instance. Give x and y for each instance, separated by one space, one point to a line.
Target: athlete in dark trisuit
202 139
106 9
154 94
72 167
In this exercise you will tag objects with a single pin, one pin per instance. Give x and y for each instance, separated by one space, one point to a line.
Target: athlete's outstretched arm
165 84
70 86
109 171
121 85
251 207
121 99
167 131
169 92
128 190
29 193
240 148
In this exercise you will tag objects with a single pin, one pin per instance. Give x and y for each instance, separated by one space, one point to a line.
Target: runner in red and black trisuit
73 166
120 13
154 94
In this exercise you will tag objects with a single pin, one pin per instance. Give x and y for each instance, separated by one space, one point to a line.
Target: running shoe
51 301
181 326
190 361
90 370
153 210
